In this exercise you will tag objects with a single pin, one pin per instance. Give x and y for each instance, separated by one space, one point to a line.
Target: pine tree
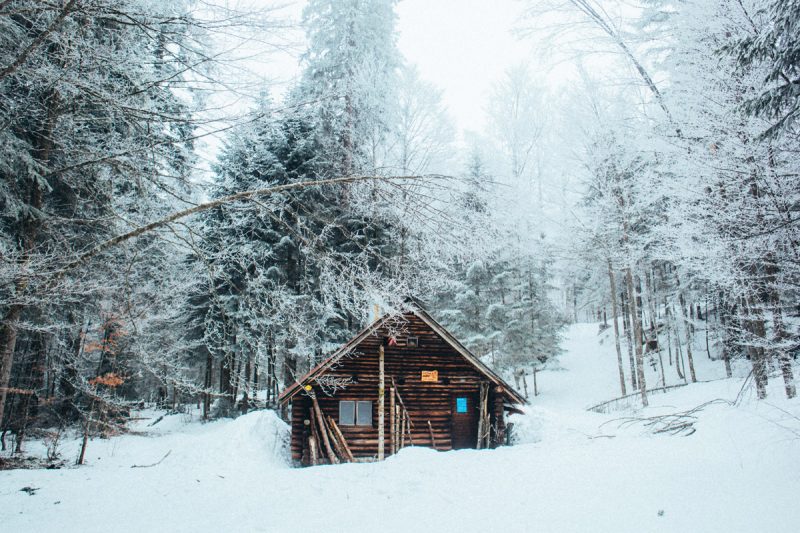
776 47
350 71
497 302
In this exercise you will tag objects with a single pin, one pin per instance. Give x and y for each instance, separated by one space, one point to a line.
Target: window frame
356 420
342 404
360 404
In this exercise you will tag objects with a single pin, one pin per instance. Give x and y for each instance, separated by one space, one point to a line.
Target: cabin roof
417 310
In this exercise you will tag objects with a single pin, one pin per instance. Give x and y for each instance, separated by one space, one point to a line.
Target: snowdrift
573 470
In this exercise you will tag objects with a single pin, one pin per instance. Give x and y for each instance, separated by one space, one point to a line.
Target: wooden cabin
406 375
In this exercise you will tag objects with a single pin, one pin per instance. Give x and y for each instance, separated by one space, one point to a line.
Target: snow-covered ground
573 470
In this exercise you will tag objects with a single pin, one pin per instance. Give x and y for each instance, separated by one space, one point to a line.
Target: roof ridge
417 309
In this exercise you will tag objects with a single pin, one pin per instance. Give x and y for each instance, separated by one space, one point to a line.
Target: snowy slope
574 471
592 376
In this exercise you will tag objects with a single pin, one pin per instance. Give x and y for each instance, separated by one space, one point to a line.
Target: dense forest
172 234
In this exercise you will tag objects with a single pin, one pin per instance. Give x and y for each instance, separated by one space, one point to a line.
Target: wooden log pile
323 428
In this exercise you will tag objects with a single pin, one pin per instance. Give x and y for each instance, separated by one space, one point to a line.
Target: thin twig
154 464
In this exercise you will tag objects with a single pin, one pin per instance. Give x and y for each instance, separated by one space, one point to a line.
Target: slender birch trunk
688 334
753 323
613 283
779 331
626 326
784 360
636 326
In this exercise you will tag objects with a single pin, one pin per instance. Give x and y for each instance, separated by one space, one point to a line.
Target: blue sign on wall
461 405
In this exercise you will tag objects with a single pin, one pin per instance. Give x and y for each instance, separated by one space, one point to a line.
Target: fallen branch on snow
680 423
154 464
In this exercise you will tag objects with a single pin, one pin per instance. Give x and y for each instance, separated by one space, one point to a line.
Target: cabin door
464 420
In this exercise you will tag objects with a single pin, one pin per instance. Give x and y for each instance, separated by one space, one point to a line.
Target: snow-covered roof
416 309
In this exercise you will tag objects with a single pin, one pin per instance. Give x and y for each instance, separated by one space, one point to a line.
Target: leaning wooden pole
481 418
403 426
499 420
312 447
433 439
339 438
392 422
313 440
323 431
381 401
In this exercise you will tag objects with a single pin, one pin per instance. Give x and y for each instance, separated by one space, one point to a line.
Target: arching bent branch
596 15
240 196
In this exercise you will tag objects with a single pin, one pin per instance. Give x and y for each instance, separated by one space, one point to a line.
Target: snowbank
572 471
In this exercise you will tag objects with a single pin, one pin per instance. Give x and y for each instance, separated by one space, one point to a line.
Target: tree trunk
207 382
668 328
753 323
236 379
246 387
8 338
33 384
726 357
687 330
69 373
254 389
723 316
637 336
680 365
227 366
614 315
43 145
780 336
651 304
86 429
626 326
708 325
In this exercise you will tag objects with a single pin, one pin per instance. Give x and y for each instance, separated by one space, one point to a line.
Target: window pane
364 413
461 405
347 413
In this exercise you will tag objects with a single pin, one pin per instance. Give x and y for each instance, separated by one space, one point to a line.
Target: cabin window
364 413
355 413
412 341
461 405
347 413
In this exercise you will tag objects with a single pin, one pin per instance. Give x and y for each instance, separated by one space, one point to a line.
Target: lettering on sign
430 375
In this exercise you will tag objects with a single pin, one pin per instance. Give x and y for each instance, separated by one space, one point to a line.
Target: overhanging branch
238 197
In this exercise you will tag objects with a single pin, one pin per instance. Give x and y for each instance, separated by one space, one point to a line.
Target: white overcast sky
461 46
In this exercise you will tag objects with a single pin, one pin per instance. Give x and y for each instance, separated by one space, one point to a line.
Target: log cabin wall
430 404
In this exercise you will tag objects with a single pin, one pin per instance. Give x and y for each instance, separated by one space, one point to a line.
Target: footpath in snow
573 470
